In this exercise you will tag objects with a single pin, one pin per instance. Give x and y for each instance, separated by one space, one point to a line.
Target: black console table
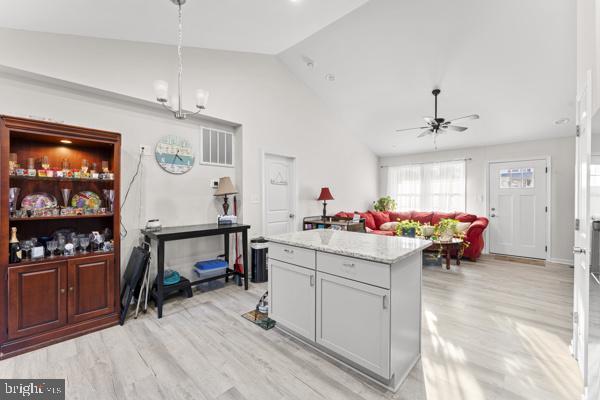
173 233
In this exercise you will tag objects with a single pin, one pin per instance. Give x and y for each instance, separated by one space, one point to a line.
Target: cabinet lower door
91 287
353 320
292 293
37 299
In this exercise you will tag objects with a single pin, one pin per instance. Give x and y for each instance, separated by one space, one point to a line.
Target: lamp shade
225 187
325 194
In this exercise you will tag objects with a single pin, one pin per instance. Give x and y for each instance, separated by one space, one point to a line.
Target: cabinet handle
349 265
312 280
62 291
71 289
385 302
289 251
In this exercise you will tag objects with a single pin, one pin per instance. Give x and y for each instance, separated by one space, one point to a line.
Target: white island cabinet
354 296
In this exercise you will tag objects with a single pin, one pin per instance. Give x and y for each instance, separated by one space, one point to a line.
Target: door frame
294 187
548 160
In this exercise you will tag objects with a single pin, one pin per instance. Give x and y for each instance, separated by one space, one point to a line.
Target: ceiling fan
436 125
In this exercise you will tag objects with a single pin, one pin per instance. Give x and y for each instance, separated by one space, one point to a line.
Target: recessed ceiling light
65 141
330 77
562 121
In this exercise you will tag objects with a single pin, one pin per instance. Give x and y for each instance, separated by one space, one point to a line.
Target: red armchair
474 235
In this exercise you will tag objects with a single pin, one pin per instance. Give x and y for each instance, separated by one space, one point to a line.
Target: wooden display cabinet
56 298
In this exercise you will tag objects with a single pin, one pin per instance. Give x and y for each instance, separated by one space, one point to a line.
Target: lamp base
225 205
324 209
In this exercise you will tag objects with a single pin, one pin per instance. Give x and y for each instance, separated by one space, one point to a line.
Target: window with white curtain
438 186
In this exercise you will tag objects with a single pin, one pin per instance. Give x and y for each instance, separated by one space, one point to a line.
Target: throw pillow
389 226
422 217
462 227
369 220
380 218
464 217
402 215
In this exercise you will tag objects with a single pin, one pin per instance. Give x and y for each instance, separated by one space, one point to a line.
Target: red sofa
474 235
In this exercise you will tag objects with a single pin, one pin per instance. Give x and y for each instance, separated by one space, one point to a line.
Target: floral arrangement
408 228
385 204
445 230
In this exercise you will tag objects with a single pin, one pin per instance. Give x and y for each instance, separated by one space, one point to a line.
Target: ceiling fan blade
472 116
412 129
455 128
429 120
425 132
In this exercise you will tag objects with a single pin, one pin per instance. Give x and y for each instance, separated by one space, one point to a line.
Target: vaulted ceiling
258 26
374 63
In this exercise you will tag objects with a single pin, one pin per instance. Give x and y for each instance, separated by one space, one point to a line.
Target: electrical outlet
214 183
145 149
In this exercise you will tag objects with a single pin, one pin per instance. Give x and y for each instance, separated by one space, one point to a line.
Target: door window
517 178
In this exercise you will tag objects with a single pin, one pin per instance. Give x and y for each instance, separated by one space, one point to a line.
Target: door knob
292 215
493 215
578 250
62 291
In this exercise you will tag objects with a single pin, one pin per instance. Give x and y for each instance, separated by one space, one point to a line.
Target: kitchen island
354 296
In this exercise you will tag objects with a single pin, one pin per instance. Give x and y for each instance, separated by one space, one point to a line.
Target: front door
279 192
518 208
582 238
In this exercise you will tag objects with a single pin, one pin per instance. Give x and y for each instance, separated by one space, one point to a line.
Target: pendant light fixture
161 88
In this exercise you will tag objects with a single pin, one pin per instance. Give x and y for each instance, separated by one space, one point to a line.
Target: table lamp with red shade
324 196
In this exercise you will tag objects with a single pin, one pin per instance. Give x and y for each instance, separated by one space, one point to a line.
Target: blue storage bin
211 264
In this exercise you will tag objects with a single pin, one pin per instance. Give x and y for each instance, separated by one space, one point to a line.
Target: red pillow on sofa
422 217
438 216
380 217
369 220
464 217
402 215
342 214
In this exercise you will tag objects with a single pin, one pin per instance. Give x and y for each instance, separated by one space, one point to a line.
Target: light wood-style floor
491 330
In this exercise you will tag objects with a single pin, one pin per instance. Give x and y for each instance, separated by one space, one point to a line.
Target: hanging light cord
180 55
137 171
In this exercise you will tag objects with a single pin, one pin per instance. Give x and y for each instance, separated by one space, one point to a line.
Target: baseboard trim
560 261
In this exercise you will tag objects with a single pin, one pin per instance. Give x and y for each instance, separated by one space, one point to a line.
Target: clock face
174 154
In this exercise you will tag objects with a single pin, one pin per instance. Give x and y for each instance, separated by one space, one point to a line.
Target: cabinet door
91 287
37 299
292 293
353 320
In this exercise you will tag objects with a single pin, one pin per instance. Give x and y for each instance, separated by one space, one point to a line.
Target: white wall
277 113
562 153
588 45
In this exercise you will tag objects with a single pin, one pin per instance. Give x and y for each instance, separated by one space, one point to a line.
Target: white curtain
436 186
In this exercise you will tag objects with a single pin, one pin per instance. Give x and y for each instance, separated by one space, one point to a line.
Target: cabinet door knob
62 291
71 288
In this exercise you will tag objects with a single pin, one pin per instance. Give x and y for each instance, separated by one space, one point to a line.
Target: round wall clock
174 154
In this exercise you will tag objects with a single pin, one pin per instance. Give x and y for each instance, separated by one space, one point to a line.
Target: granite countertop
378 248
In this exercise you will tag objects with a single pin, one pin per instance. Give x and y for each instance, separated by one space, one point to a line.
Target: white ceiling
511 61
259 26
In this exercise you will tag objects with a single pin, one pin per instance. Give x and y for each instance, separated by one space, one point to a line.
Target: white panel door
582 238
279 181
518 192
292 293
353 320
